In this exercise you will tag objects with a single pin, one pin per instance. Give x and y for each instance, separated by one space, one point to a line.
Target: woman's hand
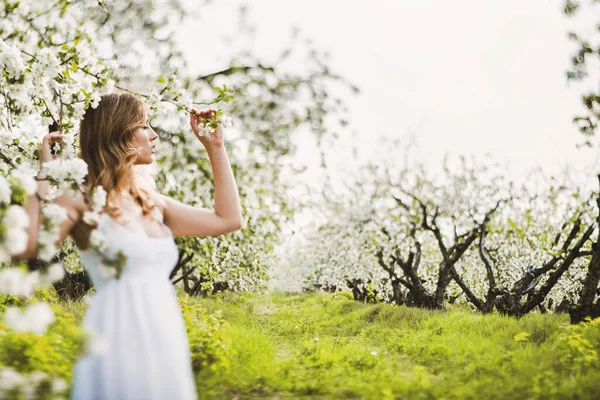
45 152
213 138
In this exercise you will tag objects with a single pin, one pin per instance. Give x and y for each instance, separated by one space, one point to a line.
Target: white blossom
35 318
15 241
49 62
106 272
11 60
55 214
59 385
91 218
5 191
25 180
95 99
63 170
47 252
36 377
4 254
55 272
11 281
99 198
17 282
98 240
29 391
226 121
10 379
16 218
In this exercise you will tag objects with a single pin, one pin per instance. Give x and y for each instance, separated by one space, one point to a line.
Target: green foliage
320 345
56 352
577 346
586 54
53 353
209 343
325 346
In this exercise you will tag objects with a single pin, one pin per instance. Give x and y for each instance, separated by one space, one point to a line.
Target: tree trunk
586 306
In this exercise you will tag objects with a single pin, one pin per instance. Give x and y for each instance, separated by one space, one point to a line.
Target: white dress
138 318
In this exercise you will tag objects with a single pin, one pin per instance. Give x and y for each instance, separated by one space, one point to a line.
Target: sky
461 77
479 77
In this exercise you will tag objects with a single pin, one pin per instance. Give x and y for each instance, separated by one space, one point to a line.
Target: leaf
521 337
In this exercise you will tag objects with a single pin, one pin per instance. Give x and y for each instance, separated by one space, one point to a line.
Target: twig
7 160
49 112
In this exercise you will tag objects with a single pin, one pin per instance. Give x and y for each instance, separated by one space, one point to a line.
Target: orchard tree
585 57
58 57
55 53
465 233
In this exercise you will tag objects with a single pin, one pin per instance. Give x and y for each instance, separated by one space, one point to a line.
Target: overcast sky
462 77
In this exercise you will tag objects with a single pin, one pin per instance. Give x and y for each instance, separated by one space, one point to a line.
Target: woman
136 315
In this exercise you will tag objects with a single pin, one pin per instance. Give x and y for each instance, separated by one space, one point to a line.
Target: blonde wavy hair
106 144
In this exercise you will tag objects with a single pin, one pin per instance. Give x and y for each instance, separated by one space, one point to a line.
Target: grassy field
321 346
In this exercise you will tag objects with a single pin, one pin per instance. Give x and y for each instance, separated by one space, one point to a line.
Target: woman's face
143 138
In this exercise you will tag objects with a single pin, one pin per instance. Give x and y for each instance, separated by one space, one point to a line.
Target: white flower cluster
98 240
66 173
18 282
16 385
205 126
14 220
5 191
11 60
54 215
15 239
34 318
19 180
98 203
226 121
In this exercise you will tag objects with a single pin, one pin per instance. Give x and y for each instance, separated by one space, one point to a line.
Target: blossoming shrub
208 338
38 366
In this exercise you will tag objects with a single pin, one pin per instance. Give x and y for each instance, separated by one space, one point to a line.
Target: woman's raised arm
185 220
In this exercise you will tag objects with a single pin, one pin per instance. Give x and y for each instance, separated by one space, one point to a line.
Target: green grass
321 346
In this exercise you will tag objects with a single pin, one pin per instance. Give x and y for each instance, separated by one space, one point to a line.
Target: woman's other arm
33 206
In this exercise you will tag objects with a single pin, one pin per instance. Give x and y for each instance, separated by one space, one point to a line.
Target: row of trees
403 236
407 236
